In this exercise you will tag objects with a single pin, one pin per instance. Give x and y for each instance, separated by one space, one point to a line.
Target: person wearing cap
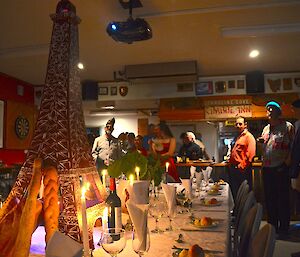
105 148
241 156
276 139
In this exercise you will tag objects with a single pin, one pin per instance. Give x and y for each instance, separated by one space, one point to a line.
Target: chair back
241 197
252 224
263 243
245 207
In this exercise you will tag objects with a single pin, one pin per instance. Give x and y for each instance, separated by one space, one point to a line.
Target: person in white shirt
105 148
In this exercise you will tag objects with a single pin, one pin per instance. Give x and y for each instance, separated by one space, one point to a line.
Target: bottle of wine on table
114 206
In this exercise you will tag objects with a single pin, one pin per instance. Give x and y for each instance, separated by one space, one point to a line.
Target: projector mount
132 29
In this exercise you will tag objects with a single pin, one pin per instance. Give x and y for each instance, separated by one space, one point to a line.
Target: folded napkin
139 216
170 194
207 173
199 177
121 190
187 183
61 245
139 191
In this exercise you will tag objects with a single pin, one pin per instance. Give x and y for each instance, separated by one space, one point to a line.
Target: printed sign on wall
227 111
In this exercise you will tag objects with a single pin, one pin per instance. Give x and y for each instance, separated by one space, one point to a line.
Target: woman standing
163 145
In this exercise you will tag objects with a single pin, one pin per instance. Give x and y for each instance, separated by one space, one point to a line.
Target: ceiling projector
130 30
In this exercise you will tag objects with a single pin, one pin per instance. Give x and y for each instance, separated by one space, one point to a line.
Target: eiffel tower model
59 138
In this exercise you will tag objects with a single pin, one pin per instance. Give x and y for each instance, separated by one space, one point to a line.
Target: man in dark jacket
189 149
295 156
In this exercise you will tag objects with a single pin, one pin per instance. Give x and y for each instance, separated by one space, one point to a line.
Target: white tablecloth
216 238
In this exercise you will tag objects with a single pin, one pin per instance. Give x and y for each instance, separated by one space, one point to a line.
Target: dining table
214 239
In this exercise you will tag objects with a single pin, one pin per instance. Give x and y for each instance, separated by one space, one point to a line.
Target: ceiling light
108 107
80 66
254 53
113 113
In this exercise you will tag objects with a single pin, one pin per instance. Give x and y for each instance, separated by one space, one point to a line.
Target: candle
104 173
131 179
105 219
137 171
167 168
85 235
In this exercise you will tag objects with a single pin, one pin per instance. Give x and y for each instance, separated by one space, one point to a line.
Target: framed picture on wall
204 88
113 91
103 90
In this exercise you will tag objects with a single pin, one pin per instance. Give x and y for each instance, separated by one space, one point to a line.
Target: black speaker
89 90
255 83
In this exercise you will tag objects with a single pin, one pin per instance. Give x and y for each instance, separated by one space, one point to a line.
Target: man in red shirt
241 157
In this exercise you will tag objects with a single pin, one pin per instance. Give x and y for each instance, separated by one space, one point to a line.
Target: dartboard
21 127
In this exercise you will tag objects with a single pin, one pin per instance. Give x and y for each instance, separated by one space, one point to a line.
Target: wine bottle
114 206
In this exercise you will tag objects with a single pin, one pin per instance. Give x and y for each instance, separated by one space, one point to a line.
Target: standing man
105 148
295 154
277 138
241 157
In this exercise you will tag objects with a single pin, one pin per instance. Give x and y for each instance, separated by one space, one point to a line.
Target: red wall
8 91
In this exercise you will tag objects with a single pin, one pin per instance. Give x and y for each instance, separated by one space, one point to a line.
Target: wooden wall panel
143 127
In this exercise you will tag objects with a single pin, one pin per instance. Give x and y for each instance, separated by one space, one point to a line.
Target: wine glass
140 247
171 215
156 210
113 241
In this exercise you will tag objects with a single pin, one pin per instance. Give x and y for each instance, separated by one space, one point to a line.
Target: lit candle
167 168
131 179
105 219
85 235
137 171
104 173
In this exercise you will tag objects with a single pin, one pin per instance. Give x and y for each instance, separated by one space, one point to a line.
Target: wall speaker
255 83
89 90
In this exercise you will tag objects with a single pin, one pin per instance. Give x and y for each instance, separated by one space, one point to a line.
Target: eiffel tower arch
60 137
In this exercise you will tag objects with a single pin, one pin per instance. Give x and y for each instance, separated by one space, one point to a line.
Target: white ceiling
182 30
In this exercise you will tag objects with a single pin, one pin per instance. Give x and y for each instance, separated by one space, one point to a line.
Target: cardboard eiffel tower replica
59 138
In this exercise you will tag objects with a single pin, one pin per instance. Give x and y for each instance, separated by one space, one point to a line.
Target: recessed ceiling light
108 107
254 53
80 66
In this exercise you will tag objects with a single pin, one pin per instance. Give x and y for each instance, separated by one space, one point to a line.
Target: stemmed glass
140 247
113 241
171 216
157 210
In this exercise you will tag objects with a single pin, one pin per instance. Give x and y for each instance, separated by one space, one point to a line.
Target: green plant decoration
155 170
150 167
